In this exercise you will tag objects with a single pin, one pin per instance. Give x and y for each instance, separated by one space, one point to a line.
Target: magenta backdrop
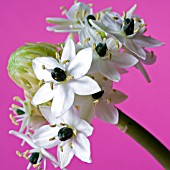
24 21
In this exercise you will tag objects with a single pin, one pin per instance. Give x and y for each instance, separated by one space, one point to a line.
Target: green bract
20 64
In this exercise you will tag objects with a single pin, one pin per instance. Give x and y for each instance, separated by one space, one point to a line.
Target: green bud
20 64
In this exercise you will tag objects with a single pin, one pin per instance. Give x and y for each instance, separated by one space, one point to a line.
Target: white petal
63 100
24 137
81 146
44 94
81 64
60 21
49 156
85 128
48 115
107 70
84 86
147 41
130 12
65 157
117 96
107 113
42 136
49 63
62 28
150 58
69 50
133 47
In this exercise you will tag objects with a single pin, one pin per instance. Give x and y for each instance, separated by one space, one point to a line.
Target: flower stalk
145 139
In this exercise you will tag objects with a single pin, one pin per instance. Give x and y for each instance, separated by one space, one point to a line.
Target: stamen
36 165
105 78
51 85
71 145
114 90
91 76
63 8
140 26
96 102
64 12
26 157
13 120
90 5
53 125
70 77
94 46
41 82
98 16
84 13
61 148
108 100
86 40
124 14
116 43
74 132
57 55
65 61
18 153
76 14
152 54
75 1
43 67
18 99
115 18
51 139
136 19
15 106
77 107
109 56
63 124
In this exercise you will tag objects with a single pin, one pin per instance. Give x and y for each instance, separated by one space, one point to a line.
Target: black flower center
58 74
101 49
19 112
34 157
65 133
128 26
98 95
92 17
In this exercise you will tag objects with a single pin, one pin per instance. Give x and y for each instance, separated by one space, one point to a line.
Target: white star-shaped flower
63 79
101 104
128 30
36 155
69 132
107 58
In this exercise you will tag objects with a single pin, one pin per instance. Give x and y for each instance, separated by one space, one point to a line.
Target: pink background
24 21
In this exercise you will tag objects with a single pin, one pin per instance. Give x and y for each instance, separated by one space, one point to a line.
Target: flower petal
62 28
63 100
130 12
44 94
107 113
69 51
123 60
49 63
81 63
59 21
65 156
24 137
81 146
84 86
107 69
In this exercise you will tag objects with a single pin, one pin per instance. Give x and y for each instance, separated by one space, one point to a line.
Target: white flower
69 132
65 78
101 104
30 118
77 17
36 155
128 30
106 55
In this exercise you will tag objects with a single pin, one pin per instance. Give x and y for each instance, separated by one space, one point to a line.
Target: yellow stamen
41 82
71 145
152 54
90 5
64 12
18 153
86 40
140 26
91 76
51 85
124 14
15 106
36 165
65 61
26 157
16 98
94 46
57 55
74 132
70 77
109 56
61 148
51 139
76 14
105 78
108 100
136 19
116 43
13 120
43 67
62 124
115 18
96 102
26 152
53 125
63 8
98 16
83 13
114 90
78 107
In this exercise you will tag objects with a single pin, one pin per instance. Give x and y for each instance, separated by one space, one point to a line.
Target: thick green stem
145 139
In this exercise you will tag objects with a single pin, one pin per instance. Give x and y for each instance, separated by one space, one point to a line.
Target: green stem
145 139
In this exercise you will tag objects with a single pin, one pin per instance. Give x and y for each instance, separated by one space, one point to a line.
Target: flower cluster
68 84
